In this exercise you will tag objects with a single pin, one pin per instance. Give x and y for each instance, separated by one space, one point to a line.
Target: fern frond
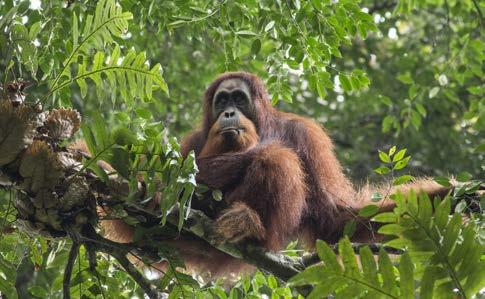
108 20
130 75
445 249
348 280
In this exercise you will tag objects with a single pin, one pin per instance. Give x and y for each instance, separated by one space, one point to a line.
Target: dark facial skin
232 101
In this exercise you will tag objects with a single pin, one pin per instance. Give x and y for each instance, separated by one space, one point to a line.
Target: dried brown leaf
16 131
62 123
39 167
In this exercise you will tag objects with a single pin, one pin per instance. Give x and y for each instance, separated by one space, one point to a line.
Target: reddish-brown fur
215 142
283 182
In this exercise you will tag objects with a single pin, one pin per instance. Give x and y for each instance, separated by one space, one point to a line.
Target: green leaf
34 30
442 213
427 282
476 280
272 283
325 287
420 108
387 271
368 211
269 26
310 275
348 256
143 113
369 267
345 82
401 163
385 217
463 177
391 229
384 157
402 180
405 78
392 150
388 122
75 30
400 154
444 181
382 170
256 46
326 254
385 100
406 275
415 119
124 136
350 227
451 234
246 33
100 131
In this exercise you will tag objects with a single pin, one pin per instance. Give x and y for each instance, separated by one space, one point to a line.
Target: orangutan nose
229 113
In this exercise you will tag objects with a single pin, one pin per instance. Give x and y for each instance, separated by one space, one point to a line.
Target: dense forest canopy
380 76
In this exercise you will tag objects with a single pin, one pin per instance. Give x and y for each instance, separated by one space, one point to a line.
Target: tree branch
66 285
149 289
280 265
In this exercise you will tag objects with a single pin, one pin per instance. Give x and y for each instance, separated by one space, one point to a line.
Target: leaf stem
69 59
105 69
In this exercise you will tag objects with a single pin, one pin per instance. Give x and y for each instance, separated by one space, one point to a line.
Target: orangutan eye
221 101
239 99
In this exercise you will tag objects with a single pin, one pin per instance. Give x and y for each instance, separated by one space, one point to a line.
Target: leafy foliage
446 250
350 281
148 156
439 252
129 73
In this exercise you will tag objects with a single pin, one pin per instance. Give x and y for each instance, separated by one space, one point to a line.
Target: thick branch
280 265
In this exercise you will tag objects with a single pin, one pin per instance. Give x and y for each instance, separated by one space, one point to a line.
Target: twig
68 270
